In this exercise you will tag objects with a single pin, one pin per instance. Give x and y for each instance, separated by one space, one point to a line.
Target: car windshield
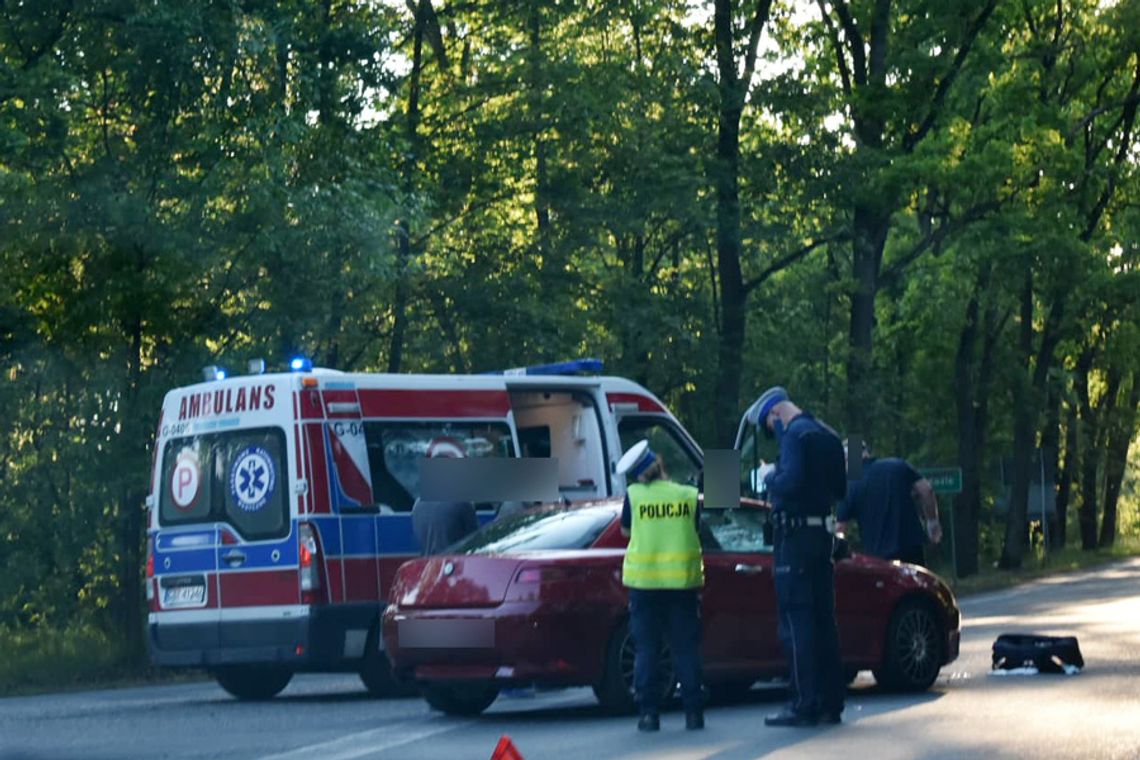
560 529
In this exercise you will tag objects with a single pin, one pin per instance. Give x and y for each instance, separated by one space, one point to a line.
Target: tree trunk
967 504
1013 548
1089 453
129 511
730 364
733 315
1120 436
130 570
871 228
403 226
400 297
1050 444
536 83
1027 402
1068 475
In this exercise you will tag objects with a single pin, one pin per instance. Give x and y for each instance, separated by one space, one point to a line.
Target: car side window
734 530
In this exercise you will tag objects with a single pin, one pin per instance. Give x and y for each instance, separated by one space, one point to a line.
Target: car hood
907 577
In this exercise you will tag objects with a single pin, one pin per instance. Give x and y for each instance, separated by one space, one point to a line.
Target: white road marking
364 743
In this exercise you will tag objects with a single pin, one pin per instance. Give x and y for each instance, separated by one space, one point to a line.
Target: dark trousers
916 555
659 615
805 596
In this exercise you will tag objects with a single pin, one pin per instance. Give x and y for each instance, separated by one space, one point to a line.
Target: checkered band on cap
758 412
636 460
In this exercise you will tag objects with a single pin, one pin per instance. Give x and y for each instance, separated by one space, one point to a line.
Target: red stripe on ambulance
264 587
433 404
644 403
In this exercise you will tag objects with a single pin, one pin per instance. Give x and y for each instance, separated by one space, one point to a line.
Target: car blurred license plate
189 595
446 634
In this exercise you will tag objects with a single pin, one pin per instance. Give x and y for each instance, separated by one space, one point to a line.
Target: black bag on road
1049 654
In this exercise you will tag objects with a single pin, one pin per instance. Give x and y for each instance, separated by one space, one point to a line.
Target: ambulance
280 504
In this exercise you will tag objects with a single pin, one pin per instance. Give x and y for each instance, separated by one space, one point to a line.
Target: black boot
694 721
649 722
790 718
831 717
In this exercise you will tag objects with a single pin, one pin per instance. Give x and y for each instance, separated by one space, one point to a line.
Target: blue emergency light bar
575 367
301 364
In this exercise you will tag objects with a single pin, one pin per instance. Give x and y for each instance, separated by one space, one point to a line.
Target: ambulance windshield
235 477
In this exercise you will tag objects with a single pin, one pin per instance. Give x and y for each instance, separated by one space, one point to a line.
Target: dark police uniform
664 571
802 489
883 503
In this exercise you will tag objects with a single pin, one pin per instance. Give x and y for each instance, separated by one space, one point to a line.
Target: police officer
664 572
809 477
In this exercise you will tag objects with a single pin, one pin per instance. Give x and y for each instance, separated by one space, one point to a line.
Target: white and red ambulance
281 503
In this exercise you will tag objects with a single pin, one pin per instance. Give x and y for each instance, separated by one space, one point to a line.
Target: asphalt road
1095 714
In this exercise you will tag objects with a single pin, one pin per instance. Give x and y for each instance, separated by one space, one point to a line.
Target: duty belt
785 522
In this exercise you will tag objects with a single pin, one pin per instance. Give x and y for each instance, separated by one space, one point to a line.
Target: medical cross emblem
252 478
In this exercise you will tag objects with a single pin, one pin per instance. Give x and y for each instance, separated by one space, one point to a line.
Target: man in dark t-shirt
886 503
439 524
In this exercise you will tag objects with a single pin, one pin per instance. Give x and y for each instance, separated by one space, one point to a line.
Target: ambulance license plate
184 592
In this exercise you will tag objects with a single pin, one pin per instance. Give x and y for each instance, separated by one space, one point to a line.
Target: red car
538 599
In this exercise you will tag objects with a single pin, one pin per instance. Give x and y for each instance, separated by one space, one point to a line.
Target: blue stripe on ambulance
179 552
259 556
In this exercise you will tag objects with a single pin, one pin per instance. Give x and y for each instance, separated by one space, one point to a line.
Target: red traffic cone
506 750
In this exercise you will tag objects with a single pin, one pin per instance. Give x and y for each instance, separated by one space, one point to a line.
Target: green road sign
944 479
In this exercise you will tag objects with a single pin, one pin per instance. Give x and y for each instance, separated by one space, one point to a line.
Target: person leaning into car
886 501
664 571
809 477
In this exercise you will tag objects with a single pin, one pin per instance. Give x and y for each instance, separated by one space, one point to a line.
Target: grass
45 659
1038 565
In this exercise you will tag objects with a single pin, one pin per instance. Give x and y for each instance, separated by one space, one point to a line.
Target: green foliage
205 182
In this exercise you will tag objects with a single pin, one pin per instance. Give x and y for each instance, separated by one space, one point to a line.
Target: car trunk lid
458 581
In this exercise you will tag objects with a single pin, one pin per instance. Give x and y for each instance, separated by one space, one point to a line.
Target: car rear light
548 574
310 564
150 568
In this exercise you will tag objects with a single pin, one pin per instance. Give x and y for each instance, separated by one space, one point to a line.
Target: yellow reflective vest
664 547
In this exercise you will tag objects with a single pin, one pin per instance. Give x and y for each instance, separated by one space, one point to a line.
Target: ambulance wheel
253 681
459 699
615 692
913 653
376 672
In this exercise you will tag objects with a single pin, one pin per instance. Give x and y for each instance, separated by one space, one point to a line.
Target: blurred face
770 420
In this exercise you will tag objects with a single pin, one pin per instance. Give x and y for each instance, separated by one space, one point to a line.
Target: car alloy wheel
616 691
913 654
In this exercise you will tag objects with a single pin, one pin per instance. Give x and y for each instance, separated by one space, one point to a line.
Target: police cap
636 460
759 410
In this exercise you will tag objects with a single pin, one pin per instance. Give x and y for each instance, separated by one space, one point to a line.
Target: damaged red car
538 599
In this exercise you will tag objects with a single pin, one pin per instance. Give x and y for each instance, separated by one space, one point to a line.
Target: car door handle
749 569
234 558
